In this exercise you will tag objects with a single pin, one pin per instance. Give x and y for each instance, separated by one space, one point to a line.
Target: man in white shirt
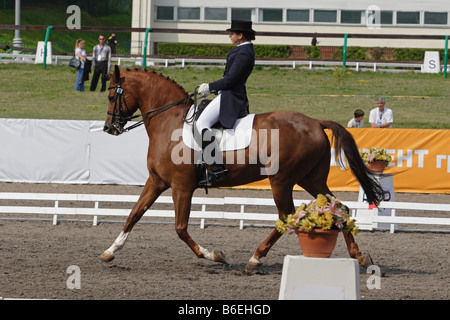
381 117
101 63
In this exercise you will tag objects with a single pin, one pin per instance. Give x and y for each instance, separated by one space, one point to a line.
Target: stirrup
212 176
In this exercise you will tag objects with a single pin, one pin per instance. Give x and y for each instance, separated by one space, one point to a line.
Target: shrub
219 50
409 54
353 53
312 52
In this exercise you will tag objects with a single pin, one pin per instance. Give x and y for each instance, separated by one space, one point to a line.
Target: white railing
56 210
183 62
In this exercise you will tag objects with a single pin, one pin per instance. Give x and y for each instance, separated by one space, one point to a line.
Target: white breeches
209 116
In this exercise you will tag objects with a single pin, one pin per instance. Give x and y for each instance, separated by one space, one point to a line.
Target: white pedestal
387 183
40 53
333 278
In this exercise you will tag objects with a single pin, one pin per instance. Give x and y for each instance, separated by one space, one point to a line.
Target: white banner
70 151
75 151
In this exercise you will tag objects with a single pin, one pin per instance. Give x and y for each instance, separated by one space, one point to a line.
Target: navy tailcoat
240 62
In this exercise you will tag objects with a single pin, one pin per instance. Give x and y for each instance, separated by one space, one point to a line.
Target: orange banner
420 160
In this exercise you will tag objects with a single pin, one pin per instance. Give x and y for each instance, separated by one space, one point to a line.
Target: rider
232 94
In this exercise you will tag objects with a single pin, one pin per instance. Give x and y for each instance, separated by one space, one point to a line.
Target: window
379 17
351 16
215 13
297 15
436 18
325 15
164 13
188 13
271 15
386 17
241 14
408 17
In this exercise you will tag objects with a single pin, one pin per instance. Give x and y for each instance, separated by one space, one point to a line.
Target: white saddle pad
228 139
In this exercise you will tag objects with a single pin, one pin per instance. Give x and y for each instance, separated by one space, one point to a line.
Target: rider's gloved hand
204 89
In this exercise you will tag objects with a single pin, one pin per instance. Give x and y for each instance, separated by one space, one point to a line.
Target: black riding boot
216 171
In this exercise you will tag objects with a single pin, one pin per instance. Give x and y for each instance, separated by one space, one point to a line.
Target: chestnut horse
304 155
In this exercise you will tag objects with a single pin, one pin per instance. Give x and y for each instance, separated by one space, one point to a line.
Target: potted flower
376 159
317 225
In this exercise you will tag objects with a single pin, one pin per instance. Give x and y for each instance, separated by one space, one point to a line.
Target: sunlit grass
418 100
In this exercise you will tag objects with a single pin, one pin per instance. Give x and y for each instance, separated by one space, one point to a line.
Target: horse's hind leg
282 195
182 200
315 182
150 193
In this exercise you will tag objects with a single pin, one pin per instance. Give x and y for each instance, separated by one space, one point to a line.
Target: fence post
144 60
344 53
445 56
47 35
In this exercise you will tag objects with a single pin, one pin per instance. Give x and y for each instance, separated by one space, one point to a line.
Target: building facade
371 17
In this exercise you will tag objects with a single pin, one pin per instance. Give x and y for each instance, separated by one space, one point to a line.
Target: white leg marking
118 243
206 254
253 260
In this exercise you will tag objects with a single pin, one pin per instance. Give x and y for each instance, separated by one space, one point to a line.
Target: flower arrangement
326 212
376 154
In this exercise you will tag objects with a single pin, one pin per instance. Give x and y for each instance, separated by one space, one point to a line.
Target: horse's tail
343 140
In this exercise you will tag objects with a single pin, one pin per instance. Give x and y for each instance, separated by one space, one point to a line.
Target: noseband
119 103
119 118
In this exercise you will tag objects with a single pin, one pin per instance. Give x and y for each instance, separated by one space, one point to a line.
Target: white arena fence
193 62
245 216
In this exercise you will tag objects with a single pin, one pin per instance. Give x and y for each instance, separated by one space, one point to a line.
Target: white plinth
387 183
331 278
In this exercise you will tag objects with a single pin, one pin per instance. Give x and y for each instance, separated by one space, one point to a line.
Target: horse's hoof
106 257
365 261
252 265
252 268
219 257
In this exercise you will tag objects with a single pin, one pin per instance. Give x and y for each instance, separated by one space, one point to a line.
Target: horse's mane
152 73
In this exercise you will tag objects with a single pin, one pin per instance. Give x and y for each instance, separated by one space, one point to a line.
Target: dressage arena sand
155 264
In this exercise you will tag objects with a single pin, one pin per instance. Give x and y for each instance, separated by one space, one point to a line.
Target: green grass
417 100
54 14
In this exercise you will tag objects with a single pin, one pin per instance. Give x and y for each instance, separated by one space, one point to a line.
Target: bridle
119 118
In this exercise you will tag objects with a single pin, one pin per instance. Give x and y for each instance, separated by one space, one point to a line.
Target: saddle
228 139
234 139
204 103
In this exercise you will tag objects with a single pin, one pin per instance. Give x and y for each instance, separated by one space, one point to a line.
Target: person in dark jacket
232 95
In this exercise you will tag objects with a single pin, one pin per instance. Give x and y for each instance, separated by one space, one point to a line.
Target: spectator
314 42
381 117
101 62
80 54
358 120
112 42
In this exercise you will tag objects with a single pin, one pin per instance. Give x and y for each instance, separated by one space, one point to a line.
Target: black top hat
241 25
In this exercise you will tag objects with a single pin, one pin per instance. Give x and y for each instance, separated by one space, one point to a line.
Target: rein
119 102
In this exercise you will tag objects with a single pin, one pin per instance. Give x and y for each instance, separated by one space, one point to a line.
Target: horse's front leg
150 193
182 200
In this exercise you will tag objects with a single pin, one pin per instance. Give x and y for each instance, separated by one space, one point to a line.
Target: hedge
218 50
285 51
399 54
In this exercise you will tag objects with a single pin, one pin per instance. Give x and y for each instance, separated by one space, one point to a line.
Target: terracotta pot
377 166
317 243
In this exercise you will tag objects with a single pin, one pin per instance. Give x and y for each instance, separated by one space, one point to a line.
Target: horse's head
121 106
